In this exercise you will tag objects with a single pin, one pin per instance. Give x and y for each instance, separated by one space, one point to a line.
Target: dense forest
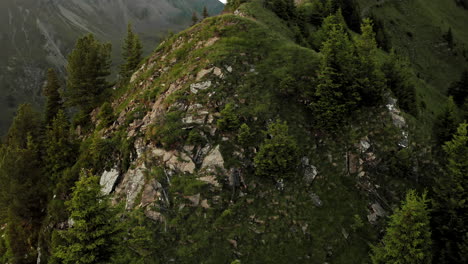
281 131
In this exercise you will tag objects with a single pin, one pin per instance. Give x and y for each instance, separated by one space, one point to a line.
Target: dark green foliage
60 147
316 11
450 216
195 138
54 100
459 89
194 18
140 243
169 131
446 123
132 54
278 154
462 3
205 12
408 236
23 186
3 248
449 38
285 9
369 78
351 13
336 95
398 79
381 35
106 115
88 67
93 236
245 136
234 4
229 120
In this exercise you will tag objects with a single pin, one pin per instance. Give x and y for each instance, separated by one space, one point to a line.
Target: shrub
278 154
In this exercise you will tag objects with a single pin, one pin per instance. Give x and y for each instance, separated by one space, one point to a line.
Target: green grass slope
300 222
417 30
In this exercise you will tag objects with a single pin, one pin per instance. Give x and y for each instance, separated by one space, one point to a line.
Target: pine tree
194 19
408 237
88 67
205 12
369 78
336 95
446 124
54 100
23 187
93 236
277 157
132 54
229 120
450 207
60 152
449 38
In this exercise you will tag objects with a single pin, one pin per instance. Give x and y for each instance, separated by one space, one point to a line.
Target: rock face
108 180
132 184
175 160
376 211
310 171
213 160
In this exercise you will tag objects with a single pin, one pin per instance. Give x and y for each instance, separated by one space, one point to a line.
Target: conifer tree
369 78
446 124
408 237
93 236
205 12
54 100
22 188
336 94
450 216
229 120
88 67
278 154
132 53
194 19
449 38
60 152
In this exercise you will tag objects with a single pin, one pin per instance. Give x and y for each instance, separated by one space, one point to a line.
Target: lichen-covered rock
194 88
316 200
210 179
213 160
132 184
376 211
108 180
150 193
174 160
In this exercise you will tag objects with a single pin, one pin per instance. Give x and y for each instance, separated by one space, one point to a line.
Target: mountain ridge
39 34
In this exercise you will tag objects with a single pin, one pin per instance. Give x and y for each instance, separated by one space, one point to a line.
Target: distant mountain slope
418 29
37 34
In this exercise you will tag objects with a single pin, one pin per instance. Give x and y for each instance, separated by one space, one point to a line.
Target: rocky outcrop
174 160
132 184
213 160
376 212
108 180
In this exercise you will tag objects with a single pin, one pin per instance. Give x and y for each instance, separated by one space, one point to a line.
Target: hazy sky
222 1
